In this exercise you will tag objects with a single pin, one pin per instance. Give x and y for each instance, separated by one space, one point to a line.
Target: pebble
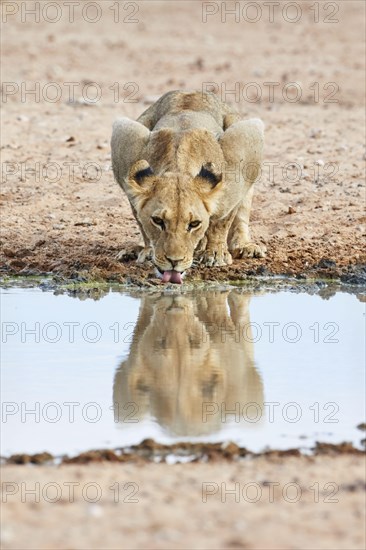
86 222
315 133
83 101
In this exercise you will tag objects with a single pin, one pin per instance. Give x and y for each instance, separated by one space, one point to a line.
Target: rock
86 222
324 263
354 279
315 133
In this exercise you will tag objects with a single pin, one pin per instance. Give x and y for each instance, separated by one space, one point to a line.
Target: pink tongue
172 277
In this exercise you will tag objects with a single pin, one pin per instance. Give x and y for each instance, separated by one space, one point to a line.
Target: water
264 370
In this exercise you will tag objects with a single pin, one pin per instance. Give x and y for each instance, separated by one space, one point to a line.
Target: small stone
315 133
86 222
291 210
82 101
199 64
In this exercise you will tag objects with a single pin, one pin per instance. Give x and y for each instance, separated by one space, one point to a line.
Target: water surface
264 370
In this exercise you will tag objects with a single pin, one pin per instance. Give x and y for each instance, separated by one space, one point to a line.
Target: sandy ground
62 211
292 503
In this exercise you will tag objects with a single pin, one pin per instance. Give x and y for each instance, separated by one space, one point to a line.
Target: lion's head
174 211
174 185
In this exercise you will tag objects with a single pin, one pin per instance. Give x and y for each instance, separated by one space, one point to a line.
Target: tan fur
187 351
172 141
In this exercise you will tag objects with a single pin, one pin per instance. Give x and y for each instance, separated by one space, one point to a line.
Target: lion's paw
214 258
144 255
134 252
126 254
247 250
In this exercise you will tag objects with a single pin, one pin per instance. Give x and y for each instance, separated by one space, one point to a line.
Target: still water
263 370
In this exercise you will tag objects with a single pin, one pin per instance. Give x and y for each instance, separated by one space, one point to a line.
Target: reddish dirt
75 226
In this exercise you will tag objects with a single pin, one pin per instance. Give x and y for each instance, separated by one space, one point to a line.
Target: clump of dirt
103 267
334 449
38 458
104 455
150 450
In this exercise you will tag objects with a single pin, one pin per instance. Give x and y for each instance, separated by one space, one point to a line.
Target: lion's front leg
135 251
217 252
240 243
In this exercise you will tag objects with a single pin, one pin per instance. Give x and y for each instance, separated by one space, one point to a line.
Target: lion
188 165
189 361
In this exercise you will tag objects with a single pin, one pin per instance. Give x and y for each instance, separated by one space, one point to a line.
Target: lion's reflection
187 351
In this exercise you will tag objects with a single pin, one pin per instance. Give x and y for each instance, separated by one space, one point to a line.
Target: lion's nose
174 261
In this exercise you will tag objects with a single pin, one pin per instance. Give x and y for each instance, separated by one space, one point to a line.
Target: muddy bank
152 451
80 261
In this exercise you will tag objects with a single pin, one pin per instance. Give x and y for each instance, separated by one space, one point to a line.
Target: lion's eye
194 224
158 221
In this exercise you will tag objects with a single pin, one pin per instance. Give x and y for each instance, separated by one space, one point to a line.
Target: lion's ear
129 141
209 176
210 183
139 178
140 172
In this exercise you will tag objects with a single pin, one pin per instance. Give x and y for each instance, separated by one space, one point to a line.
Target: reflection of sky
305 372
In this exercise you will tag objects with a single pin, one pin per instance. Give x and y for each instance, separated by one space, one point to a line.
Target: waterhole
264 369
